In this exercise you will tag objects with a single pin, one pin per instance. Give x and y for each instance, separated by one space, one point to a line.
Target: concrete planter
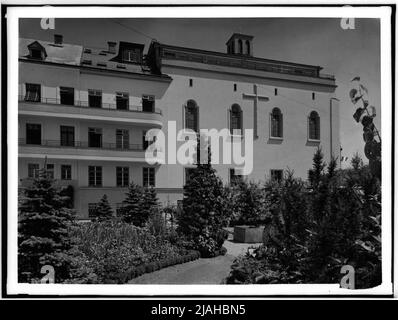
248 234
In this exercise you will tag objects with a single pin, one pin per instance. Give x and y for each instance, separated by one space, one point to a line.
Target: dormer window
36 51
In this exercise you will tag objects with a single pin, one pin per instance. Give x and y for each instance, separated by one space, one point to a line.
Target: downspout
331 126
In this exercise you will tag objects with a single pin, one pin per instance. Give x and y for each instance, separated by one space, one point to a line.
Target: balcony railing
82 145
85 104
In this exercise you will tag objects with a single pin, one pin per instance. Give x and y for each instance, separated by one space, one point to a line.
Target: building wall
214 94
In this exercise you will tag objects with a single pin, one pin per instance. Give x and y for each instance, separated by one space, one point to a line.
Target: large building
84 113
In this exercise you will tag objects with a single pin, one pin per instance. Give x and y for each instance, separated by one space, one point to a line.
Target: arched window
314 126
248 47
240 45
191 115
235 118
276 123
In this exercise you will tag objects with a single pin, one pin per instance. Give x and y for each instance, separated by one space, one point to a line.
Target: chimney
58 38
112 47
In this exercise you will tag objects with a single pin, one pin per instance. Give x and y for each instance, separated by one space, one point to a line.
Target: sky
345 53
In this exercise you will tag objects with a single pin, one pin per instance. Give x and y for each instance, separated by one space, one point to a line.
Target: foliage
42 231
103 210
111 247
139 205
316 228
248 203
204 210
131 212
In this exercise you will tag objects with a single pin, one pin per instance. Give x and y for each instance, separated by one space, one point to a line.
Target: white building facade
84 112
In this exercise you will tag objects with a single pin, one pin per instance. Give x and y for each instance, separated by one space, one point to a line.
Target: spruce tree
149 203
103 211
132 205
43 230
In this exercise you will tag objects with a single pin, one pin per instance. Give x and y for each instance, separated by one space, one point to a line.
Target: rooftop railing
85 104
244 62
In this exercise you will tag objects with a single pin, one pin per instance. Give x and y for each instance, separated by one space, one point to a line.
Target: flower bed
137 271
110 250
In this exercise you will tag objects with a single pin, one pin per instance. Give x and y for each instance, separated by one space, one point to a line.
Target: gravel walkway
201 271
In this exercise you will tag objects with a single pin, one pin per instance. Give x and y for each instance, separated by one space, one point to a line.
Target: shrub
102 248
315 229
248 203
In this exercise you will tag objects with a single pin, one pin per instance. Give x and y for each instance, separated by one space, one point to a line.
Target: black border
4 149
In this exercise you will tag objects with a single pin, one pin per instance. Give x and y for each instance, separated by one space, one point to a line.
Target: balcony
52 107
81 150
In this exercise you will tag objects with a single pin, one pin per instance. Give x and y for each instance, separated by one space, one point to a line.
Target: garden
310 229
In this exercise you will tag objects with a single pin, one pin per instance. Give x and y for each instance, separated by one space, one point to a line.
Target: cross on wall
256 98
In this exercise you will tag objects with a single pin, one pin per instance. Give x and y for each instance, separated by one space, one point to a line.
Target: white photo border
16 13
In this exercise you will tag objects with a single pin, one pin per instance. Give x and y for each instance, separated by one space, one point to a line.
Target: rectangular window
234 178
122 139
95 176
95 137
313 96
122 176
131 55
189 174
148 103
276 175
276 91
94 98
190 82
67 136
122 101
50 170
148 177
92 208
33 133
33 92
67 95
36 54
235 86
146 143
66 172
33 170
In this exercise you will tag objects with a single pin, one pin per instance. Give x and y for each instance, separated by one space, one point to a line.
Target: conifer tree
132 205
103 211
149 204
203 208
43 230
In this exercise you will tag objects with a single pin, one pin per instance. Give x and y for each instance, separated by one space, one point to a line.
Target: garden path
201 271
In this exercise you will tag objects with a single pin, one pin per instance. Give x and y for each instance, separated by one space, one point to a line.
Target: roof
85 57
65 53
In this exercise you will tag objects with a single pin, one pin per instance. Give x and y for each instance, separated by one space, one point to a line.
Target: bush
249 204
112 247
316 228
